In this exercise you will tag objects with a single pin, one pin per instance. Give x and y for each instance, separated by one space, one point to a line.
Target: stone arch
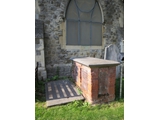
100 6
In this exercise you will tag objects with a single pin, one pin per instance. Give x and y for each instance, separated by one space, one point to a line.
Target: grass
80 110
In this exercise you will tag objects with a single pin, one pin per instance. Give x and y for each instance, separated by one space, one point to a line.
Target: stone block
94 73
111 90
44 74
40 45
97 84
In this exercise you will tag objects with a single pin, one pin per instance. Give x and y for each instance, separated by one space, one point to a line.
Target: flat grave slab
95 62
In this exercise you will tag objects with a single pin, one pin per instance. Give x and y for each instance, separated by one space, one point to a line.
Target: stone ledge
95 62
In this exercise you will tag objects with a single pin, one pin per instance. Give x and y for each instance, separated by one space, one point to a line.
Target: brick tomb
96 78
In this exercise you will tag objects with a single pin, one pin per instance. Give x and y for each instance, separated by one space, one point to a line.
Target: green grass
80 110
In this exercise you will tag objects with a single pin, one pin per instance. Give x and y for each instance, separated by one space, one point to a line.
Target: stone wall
39 50
52 13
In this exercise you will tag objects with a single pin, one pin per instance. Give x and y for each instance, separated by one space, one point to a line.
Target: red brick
84 75
111 81
95 80
78 64
92 96
103 81
111 90
103 69
112 70
92 87
111 98
86 69
94 69
84 85
94 73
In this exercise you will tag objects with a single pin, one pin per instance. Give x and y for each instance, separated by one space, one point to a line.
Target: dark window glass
84 23
72 33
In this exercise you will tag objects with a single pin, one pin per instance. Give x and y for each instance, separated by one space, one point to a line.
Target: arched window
84 23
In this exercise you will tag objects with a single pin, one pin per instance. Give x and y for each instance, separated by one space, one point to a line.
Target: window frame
63 39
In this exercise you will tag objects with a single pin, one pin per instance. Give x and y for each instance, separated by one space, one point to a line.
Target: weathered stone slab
95 62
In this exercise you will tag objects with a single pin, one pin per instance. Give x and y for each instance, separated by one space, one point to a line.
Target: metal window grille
84 23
